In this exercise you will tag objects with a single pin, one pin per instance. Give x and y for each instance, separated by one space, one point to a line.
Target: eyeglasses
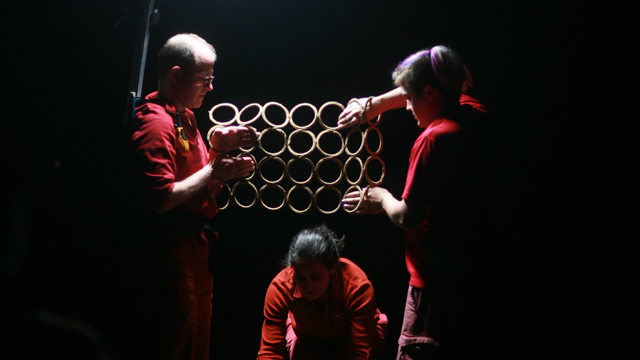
207 80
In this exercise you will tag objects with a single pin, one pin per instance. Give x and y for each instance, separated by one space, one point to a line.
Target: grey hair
440 67
180 50
315 243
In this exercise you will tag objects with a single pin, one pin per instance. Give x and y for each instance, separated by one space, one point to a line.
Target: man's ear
174 74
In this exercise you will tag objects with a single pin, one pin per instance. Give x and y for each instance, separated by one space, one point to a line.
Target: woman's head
313 255
315 243
440 67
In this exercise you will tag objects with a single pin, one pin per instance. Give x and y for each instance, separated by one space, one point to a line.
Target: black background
557 78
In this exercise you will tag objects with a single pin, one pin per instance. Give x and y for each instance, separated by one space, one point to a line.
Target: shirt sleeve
154 144
274 328
362 308
418 172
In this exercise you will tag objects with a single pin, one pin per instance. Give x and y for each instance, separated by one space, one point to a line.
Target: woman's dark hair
315 243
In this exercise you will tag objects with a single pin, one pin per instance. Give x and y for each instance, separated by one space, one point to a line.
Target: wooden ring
225 123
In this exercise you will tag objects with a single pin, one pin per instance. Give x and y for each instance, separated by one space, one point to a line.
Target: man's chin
196 105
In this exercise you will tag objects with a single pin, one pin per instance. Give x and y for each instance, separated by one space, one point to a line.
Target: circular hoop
252 146
286 112
267 158
253 173
320 114
244 182
317 171
240 122
364 111
291 161
220 208
366 170
344 169
274 186
299 131
289 198
374 123
362 142
299 127
284 136
315 199
210 132
354 187
322 133
225 123
366 133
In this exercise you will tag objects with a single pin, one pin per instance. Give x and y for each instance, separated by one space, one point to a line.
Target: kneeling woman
321 306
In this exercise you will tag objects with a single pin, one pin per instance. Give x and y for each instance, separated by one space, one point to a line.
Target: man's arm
379 104
221 168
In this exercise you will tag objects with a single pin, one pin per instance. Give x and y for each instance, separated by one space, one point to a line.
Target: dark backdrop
550 75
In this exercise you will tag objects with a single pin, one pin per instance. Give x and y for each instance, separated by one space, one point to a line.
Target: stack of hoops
326 144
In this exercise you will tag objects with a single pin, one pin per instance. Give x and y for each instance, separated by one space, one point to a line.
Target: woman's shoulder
285 276
350 271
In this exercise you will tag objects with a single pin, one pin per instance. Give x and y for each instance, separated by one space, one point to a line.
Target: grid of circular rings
238 192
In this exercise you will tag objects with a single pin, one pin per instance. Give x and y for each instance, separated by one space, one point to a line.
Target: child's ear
427 90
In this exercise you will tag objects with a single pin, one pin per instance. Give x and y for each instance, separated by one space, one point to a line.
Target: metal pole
140 51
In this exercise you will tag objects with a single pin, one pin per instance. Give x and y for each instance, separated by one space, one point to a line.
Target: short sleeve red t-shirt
154 141
427 181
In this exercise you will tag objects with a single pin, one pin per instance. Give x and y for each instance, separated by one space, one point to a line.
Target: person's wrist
210 137
367 108
212 173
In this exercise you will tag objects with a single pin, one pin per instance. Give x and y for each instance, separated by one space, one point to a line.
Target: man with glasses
179 177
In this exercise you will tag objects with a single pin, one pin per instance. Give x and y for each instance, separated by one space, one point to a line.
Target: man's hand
226 167
228 138
352 115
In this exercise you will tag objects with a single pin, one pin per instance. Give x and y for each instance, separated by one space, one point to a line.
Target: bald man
179 178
